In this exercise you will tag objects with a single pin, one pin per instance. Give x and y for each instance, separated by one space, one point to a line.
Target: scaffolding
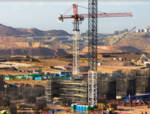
72 91
92 88
76 52
92 49
48 91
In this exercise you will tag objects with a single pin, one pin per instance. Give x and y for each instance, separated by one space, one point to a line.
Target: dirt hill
135 42
58 42
20 41
132 42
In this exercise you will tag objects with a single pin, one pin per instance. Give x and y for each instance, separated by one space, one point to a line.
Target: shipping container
38 78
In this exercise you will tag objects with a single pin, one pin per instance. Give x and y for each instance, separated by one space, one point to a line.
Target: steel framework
92 49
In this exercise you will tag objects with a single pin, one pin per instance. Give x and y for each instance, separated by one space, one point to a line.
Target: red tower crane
80 17
92 43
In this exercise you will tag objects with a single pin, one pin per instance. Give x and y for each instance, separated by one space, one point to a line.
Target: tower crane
92 43
92 47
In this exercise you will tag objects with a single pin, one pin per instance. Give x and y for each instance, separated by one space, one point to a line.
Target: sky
43 15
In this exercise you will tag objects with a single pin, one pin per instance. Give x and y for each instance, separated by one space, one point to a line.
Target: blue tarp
145 96
59 110
62 74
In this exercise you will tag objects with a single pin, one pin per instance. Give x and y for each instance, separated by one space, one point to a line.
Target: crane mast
92 52
76 48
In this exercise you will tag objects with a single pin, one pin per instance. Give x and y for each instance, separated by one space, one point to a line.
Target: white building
138 30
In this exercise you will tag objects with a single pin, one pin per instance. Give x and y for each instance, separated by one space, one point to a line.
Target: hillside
21 41
132 42
136 42
10 31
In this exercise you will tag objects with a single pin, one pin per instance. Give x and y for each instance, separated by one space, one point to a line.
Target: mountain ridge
11 31
59 42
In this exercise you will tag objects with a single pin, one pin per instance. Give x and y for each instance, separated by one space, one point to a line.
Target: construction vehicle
102 106
144 60
4 112
144 56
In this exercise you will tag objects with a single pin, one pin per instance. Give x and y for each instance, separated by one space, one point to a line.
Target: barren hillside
132 42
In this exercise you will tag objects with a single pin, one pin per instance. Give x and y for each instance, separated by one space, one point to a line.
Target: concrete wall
70 91
109 87
120 85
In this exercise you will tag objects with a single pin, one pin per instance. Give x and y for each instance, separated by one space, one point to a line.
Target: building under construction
109 86
66 91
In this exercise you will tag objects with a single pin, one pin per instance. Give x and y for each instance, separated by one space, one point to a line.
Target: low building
143 30
138 30
24 77
34 70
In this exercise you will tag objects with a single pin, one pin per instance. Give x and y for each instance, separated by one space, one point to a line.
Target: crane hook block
60 18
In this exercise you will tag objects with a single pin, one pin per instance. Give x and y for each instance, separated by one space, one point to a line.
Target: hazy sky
43 15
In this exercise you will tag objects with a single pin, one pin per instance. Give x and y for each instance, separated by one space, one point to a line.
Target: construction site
118 85
91 83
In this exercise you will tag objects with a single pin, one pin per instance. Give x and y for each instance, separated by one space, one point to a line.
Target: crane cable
87 8
67 10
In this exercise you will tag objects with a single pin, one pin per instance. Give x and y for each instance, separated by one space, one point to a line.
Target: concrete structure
109 86
68 91
146 30
1 83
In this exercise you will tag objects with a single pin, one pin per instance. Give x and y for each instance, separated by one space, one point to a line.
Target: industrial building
147 29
